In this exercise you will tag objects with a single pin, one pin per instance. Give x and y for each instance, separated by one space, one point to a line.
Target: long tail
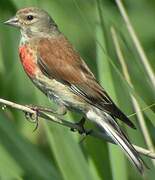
112 129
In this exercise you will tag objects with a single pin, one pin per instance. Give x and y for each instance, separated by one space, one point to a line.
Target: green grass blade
106 79
68 154
9 168
26 155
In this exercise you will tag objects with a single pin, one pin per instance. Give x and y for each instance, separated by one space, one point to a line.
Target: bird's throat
24 38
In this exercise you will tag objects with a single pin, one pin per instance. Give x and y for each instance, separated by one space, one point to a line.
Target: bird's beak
12 21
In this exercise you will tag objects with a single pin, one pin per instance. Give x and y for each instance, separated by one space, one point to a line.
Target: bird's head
33 21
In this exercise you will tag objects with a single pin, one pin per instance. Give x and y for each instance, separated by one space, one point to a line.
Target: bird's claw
80 127
33 117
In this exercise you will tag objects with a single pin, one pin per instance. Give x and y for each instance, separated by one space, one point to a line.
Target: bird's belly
60 93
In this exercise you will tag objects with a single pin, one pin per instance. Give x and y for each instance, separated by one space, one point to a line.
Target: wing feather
57 59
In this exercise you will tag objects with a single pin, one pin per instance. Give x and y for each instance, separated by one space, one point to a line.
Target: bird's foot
33 117
80 127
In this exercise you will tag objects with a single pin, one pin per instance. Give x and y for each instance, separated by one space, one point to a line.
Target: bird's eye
29 17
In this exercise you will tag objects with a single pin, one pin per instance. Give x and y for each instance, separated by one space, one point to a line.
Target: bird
57 69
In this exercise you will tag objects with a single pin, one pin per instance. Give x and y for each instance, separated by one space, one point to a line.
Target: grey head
33 21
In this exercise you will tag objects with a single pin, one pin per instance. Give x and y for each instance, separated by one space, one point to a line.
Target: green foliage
54 152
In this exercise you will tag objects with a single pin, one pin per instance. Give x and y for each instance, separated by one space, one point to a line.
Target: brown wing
57 59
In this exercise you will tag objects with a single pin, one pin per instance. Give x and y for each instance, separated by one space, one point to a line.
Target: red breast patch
27 60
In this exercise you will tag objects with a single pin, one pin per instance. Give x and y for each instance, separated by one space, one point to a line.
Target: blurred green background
54 152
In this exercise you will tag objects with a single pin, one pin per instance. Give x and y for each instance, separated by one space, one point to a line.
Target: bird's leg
81 129
34 117
62 110
40 108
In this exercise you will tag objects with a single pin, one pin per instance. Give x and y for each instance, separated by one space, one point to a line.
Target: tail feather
126 146
110 126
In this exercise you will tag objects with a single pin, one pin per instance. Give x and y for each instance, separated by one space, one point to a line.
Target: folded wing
57 59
